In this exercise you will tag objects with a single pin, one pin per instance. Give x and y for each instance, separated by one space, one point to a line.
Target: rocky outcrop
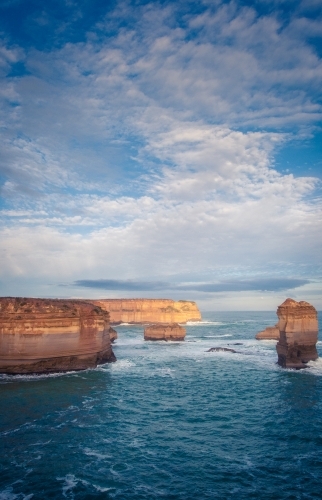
298 327
270 333
221 349
149 310
44 335
113 334
171 331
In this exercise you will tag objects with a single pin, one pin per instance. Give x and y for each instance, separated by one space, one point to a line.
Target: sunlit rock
270 333
171 331
46 335
149 310
298 327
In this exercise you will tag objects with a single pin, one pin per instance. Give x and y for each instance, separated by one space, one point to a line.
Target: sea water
168 420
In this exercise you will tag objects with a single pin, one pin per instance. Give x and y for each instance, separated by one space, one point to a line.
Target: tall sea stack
298 327
47 335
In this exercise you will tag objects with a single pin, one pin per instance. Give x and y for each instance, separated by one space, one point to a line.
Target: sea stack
270 333
171 331
47 335
298 327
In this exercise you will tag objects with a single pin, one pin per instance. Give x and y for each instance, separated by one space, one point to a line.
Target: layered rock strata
270 333
167 332
149 310
298 327
44 335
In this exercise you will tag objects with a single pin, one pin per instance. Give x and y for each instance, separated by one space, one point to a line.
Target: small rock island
171 331
52 335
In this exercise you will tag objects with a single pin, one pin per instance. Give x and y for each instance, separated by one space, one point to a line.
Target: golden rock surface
52 335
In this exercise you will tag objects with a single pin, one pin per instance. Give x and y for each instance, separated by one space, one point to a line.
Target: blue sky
162 149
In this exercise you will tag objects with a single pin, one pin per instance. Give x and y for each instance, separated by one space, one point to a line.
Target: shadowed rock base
298 327
60 364
113 334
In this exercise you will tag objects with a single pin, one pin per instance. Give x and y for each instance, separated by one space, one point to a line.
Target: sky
165 149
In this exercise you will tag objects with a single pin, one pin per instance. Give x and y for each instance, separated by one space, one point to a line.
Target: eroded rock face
45 335
171 331
270 333
149 310
298 327
113 334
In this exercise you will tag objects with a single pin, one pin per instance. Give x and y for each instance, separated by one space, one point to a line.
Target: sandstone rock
270 333
113 334
149 310
45 335
220 349
171 331
298 327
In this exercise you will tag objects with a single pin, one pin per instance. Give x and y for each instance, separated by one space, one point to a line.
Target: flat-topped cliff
50 335
167 331
298 327
149 310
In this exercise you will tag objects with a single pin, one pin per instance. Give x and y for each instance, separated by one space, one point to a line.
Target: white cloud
129 156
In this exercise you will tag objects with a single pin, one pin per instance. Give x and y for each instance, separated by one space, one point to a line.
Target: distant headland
142 311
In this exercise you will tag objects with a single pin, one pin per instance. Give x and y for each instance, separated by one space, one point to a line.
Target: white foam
217 336
13 378
202 323
315 366
121 365
92 453
8 494
70 481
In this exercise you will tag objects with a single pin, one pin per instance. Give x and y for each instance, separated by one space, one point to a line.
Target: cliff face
298 327
164 332
149 310
270 333
43 335
113 334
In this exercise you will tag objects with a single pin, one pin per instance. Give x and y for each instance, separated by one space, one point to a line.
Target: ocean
168 420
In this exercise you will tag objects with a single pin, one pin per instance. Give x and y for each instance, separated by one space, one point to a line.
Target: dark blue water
168 420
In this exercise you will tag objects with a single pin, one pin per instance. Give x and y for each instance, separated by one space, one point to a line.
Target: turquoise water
168 420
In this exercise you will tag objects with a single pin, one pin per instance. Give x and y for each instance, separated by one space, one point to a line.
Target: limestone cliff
298 327
44 335
270 333
167 331
149 310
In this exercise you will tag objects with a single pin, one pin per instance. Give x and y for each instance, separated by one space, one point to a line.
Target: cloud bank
139 144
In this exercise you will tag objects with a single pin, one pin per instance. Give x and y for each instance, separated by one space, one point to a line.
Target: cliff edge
52 335
149 310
